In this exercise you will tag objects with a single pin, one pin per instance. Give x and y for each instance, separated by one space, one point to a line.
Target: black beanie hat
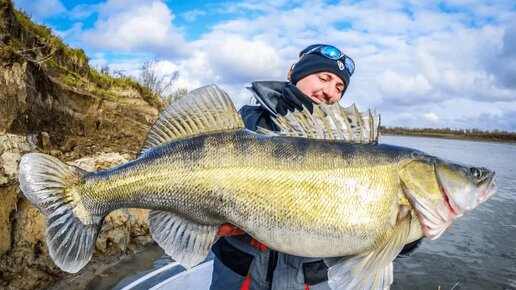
313 63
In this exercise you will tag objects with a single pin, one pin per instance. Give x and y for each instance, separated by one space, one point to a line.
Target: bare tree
174 95
161 84
105 70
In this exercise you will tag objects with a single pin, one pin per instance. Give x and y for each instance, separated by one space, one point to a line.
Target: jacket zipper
273 262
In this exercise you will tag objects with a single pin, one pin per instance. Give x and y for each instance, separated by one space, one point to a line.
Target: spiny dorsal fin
331 122
203 110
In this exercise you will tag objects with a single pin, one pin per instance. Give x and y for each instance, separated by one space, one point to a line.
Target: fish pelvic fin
372 270
203 110
186 242
330 122
71 231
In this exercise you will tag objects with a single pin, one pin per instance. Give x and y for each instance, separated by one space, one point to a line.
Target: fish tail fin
71 230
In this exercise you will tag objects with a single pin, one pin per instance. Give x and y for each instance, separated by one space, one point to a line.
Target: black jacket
274 98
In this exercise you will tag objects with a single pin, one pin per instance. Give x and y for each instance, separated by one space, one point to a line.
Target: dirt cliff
52 101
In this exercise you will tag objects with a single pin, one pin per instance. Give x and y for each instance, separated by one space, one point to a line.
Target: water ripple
479 251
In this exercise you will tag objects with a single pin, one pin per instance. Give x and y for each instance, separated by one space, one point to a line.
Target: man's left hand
228 229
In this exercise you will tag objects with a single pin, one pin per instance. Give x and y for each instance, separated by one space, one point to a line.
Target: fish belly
313 213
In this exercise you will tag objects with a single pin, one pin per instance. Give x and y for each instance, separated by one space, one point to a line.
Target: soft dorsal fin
203 110
331 122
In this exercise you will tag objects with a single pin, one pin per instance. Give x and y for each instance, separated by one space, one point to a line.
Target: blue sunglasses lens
331 52
350 65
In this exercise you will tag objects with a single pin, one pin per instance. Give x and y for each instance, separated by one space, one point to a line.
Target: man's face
322 87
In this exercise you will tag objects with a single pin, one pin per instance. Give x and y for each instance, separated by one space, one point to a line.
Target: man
322 74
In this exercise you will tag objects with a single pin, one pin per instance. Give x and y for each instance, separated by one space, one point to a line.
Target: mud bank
49 103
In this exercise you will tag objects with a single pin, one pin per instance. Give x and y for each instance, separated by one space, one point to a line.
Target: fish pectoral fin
186 242
372 270
379 280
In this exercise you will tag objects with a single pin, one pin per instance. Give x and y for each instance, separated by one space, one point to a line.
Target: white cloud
98 60
71 34
83 11
231 62
137 28
502 63
431 117
41 9
239 60
404 88
457 65
192 15
414 64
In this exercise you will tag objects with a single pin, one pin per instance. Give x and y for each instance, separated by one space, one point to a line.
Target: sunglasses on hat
334 53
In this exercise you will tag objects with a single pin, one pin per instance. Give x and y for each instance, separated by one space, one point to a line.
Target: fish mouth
489 188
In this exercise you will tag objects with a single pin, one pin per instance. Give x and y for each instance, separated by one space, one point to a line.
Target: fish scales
284 184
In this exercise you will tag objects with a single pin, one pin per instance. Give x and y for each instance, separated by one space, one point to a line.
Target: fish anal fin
203 110
186 242
372 270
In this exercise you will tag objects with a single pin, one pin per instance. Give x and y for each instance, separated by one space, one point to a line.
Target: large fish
306 191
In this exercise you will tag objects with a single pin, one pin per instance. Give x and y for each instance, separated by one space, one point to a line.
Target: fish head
465 186
441 191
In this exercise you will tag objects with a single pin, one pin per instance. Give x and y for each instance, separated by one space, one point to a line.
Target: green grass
73 67
105 82
10 52
45 33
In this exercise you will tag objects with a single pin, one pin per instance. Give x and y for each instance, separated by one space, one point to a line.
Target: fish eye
477 173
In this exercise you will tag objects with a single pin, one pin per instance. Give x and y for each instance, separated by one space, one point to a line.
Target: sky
437 64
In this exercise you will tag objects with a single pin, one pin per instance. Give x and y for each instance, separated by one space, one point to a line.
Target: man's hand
228 229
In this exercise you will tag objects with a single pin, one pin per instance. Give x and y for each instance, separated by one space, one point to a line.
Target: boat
174 276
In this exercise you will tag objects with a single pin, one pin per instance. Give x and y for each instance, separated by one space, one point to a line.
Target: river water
478 251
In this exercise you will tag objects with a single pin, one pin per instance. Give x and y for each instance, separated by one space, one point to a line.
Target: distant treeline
495 135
